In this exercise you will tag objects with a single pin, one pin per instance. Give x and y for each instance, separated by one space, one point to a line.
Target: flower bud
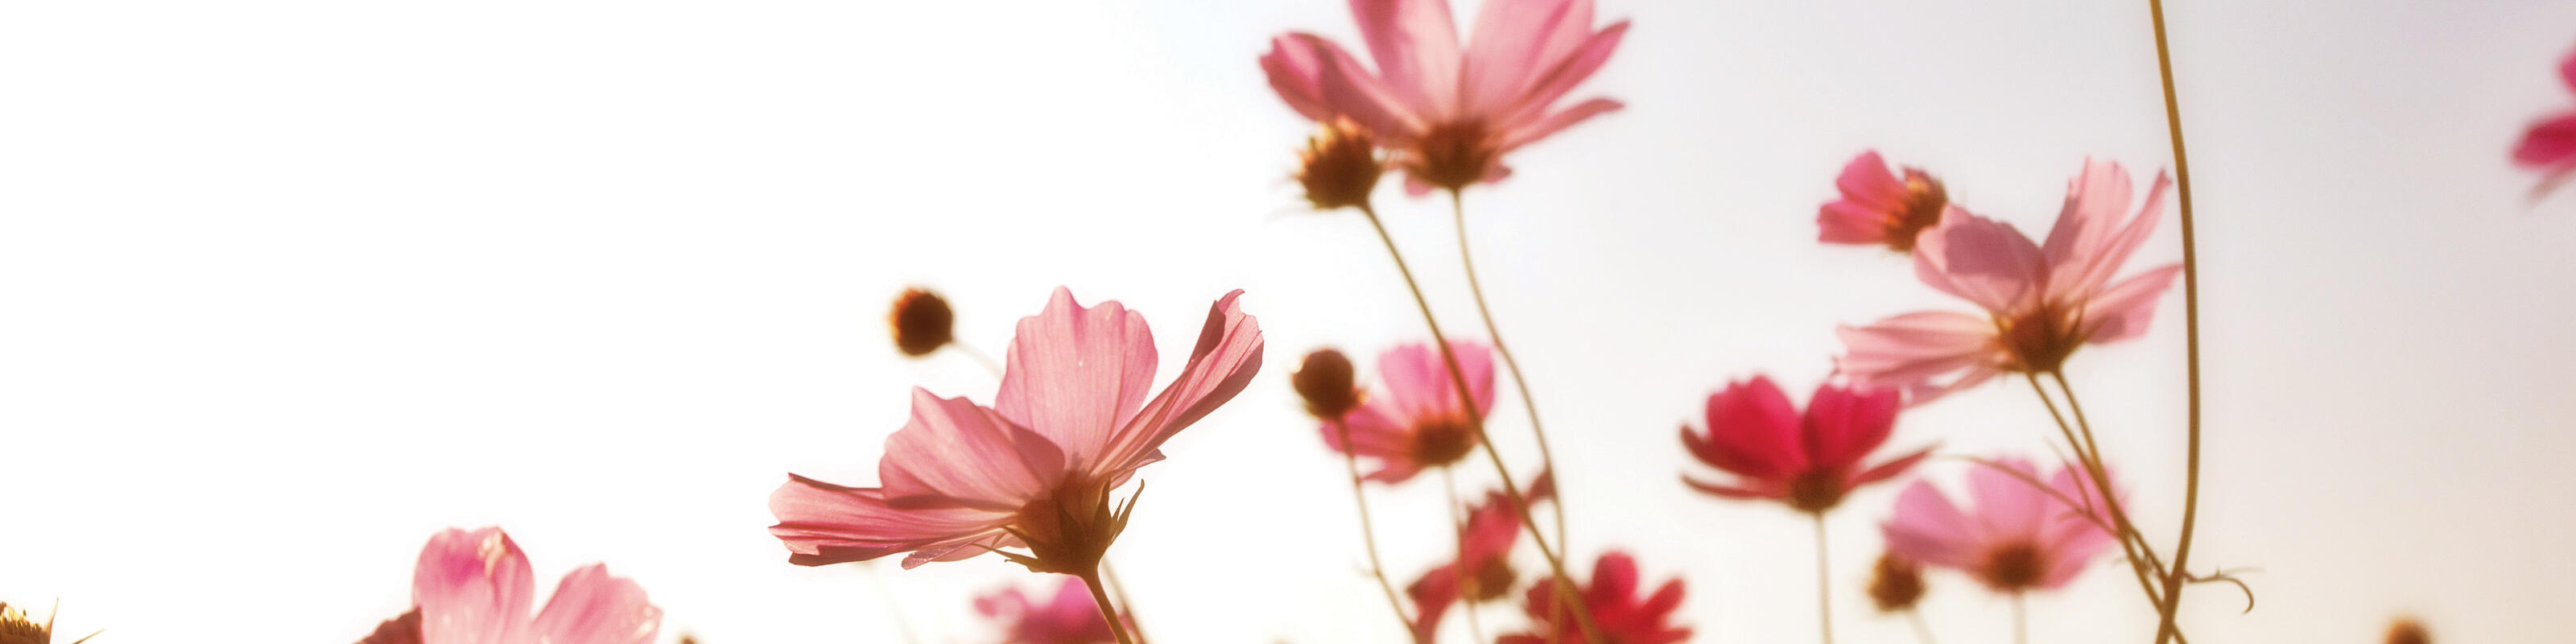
2408 631
1339 166
1896 583
921 322
1325 381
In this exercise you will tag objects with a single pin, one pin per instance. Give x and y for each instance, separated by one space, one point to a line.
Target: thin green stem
1101 596
1824 584
2119 524
1529 403
1922 630
1476 417
980 357
2132 540
2191 335
1368 534
2021 620
1119 590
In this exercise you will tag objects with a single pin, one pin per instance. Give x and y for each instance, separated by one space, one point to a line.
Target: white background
287 286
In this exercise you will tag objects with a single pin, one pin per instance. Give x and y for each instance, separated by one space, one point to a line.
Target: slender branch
2021 620
1467 260
2191 334
1368 533
1922 630
2120 526
1101 596
980 357
2132 539
1119 590
1824 584
1476 417
1458 512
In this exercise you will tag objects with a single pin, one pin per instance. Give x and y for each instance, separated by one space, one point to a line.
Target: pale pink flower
1808 462
1035 469
2041 301
1418 423
1879 209
1450 113
474 587
1612 601
2549 146
1482 571
1069 616
2017 538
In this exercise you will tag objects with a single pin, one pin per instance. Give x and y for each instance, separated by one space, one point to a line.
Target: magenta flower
1420 423
2550 145
1879 209
2041 301
1450 113
1807 462
1623 617
2019 537
1035 469
1482 572
474 587
1068 617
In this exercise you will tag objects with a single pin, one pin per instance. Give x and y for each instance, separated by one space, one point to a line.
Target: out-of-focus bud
1339 166
1325 381
16 628
1896 583
2408 631
921 322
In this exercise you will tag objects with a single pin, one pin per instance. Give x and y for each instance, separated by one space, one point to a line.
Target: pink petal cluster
2018 537
1877 208
2549 146
1071 422
1450 111
1807 461
1070 616
1418 422
1482 570
2041 300
474 587
1611 599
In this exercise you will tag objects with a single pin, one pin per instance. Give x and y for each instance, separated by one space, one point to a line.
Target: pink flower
1035 469
1450 113
2041 301
1806 462
1420 423
1876 208
1622 617
474 587
1069 617
2550 145
1484 559
2019 538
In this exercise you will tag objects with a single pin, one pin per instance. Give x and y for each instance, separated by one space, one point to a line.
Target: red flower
1611 599
1483 570
1808 463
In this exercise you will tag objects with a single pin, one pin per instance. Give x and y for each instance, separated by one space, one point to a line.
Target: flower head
1877 208
1896 583
2017 538
1612 602
1339 167
1324 380
1807 462
16 628
474 587
2041 301
1069 616
1482 572
1419 423
1036 469
2549 145
1450 110
921 322
2408 631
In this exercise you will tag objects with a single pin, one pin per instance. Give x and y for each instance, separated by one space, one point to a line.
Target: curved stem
2119 522
1119 590
2132 540
2191 335
2021 620
1101 596
1368 534
1529 403
1458 565
1922 631
980 357
1476 417
1824 584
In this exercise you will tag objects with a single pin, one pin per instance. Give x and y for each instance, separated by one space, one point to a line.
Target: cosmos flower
2041 301
474 587
1623 617
2549 146
1895 583
2017 537
1034 470
1067 617
1419 423
16 628
1879 209
1807 462
1482 571
1450 113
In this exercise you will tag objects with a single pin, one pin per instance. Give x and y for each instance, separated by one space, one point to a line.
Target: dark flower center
1924 200
1490 581
1453 155
2038 341
1339 166
1442 440
1816 490
921 322
2014 566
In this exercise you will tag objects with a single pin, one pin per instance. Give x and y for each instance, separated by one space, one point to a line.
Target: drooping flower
1070 616
2017 538
474 587
1034 470
1419 423
1339 167
2041 301
1326 382
922 322
1879 209
1612 602
16 628
2549 145
1807 462
1482 571
1895 583
1450 114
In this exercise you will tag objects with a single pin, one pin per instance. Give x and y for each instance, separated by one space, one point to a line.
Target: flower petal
1322 82
2550 142
1908 351
591 607
1890 469
1227 355
2010 508
1076 374
1432 595
1542 128
2122 311
958 453
472 587
1507 44
1927 528
1560 78
1842 425
1418 383
1980 260
822 523
1753 426
2089 241
1416 47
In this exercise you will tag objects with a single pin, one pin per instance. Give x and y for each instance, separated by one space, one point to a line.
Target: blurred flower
1068 617
1419 423
1070 424
2408 631
474 587
2549 146
921 321
1450 114
2018 539
1484 559
1339 166
15 628
1622 616
1808 463
2041 301
1895 583
1876 208
1324 380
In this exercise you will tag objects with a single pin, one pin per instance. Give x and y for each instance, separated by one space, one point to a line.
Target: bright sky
289 285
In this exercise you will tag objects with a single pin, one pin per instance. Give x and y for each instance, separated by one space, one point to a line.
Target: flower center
1453 155
1441 440
2014 566
1924 200
1068 530
1816 490
2039 340
1339 166
1491 581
